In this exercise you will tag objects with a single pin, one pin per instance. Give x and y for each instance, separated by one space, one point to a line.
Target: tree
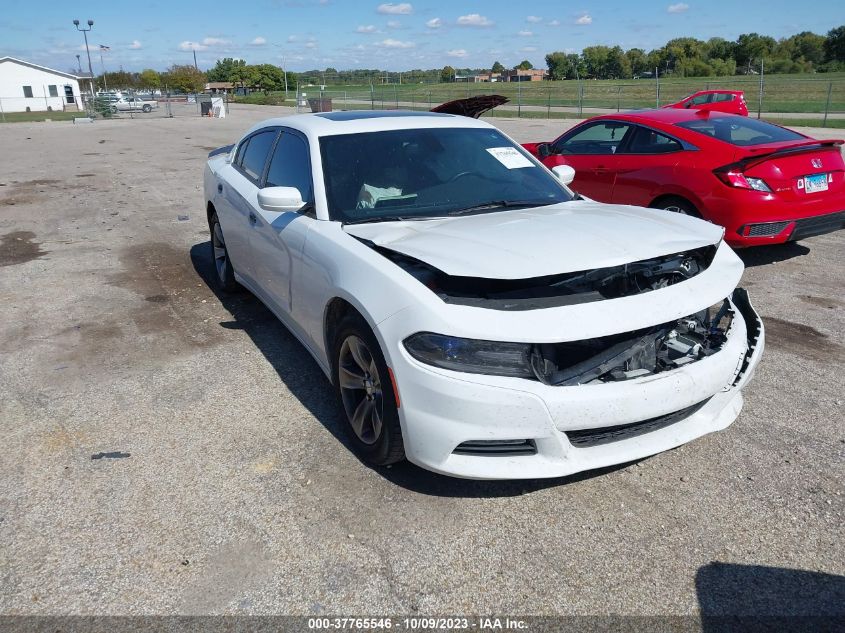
834 45
524 65
224 68
248 76
751 48
185 77
638 61
149 78
497 68
447 74
719 48
617 66
270 77
595 59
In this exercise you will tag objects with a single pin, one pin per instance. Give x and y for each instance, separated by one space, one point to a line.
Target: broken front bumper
489 427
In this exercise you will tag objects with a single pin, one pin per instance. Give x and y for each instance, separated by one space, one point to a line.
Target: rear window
740 130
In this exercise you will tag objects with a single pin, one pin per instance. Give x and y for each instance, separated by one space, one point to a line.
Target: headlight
469 355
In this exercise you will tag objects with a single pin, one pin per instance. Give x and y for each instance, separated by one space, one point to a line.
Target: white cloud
525 33
403 8
553 23
680 7
135 45
215 41
529 49
533 19
394 24
258 41
389 43
191 46
292 39
474 19
584 20
311 44
434 23
458 52
366 29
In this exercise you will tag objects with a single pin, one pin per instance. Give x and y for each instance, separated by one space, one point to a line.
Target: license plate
814 183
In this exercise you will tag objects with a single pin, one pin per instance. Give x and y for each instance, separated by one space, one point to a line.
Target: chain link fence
817 101
167 104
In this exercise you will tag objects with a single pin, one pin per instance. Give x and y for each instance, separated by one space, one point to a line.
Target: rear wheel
365 392
676 205
147 107
219 253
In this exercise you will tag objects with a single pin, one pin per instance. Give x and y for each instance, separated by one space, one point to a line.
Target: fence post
580 99
396 96
657 86
549 106
827 104
518 98
760 97
372 97
618 96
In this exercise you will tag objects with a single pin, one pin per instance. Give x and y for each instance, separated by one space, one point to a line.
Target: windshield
741 130
419 173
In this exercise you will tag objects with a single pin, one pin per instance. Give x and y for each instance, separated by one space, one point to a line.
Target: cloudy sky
397 36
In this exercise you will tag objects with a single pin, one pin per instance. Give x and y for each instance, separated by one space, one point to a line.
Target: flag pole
105 81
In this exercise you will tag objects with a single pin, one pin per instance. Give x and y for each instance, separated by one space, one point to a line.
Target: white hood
562 238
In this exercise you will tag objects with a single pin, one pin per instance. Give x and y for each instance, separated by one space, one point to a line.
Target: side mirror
564 173
280 199
543 150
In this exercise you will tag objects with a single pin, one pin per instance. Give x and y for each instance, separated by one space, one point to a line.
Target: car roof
363 121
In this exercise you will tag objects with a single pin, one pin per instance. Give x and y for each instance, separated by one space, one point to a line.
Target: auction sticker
509 157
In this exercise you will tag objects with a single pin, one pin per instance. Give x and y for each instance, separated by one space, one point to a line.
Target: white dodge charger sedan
473 313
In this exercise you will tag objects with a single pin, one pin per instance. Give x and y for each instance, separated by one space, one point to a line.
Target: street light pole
103 66
79 64
87 51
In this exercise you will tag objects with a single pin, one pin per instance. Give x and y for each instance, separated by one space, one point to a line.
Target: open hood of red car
472 107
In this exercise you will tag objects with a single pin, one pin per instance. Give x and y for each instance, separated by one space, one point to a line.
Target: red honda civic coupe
764 183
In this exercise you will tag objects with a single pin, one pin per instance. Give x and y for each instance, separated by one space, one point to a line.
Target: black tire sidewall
388 448
228 283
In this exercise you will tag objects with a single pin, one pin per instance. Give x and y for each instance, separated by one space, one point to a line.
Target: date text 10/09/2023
418 623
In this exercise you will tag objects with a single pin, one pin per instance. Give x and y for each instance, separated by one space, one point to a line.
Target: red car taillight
732 176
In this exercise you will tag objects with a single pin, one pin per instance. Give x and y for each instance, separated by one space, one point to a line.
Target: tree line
691 57
680 57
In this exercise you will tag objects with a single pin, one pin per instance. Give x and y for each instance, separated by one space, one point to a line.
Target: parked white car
135 104
473 314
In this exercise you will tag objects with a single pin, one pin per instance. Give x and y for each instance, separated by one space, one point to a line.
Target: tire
677 205
223 270
147 107
365 393
114 109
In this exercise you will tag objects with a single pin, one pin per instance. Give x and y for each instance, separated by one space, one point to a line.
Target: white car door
239 194
277 239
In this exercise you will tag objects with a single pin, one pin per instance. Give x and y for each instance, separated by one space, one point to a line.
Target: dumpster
320 105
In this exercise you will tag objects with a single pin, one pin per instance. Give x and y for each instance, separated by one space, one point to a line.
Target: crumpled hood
525 243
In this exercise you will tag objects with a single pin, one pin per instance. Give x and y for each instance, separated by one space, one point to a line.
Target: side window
27 92
599 138
256 152
291 166
699 100
646 141
54 91
239 157
723 97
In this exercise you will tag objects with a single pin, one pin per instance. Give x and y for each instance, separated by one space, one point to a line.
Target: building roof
44 68
219 84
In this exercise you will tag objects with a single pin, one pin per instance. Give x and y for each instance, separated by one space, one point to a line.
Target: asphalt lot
170 450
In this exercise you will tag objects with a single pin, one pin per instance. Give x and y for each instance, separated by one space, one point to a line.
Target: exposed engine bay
556 290
634 354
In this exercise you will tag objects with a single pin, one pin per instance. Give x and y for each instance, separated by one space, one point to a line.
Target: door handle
252 218
219 188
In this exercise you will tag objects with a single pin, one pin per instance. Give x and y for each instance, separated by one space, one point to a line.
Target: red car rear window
740 130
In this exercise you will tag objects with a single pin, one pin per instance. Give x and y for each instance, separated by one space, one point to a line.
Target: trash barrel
205 107
320 105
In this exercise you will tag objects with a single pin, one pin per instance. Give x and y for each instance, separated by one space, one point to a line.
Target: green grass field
781 93
27 117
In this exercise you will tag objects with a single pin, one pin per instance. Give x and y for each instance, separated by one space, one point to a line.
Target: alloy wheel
221 257
360 389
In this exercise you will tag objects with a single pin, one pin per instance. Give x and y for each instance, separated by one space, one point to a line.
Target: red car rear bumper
757 232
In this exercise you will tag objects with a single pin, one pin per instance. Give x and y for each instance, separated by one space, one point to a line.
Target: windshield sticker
509 157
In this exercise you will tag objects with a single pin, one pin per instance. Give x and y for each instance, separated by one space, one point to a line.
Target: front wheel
365 392
147 108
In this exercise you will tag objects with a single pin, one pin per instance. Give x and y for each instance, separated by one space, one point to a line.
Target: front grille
818 225
595 437
766 229
497 447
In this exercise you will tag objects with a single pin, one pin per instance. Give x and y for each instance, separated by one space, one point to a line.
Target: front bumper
558 431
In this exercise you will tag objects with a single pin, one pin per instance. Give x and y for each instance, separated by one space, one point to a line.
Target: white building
29 87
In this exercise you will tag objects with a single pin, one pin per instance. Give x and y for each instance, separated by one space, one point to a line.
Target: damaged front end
605 359
557 290
634 354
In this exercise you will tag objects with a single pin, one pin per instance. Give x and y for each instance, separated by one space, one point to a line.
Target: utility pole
103 66
79 64
87 51
195 60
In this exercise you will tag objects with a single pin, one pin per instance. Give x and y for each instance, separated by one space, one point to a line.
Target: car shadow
764 255
758 598
306 381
